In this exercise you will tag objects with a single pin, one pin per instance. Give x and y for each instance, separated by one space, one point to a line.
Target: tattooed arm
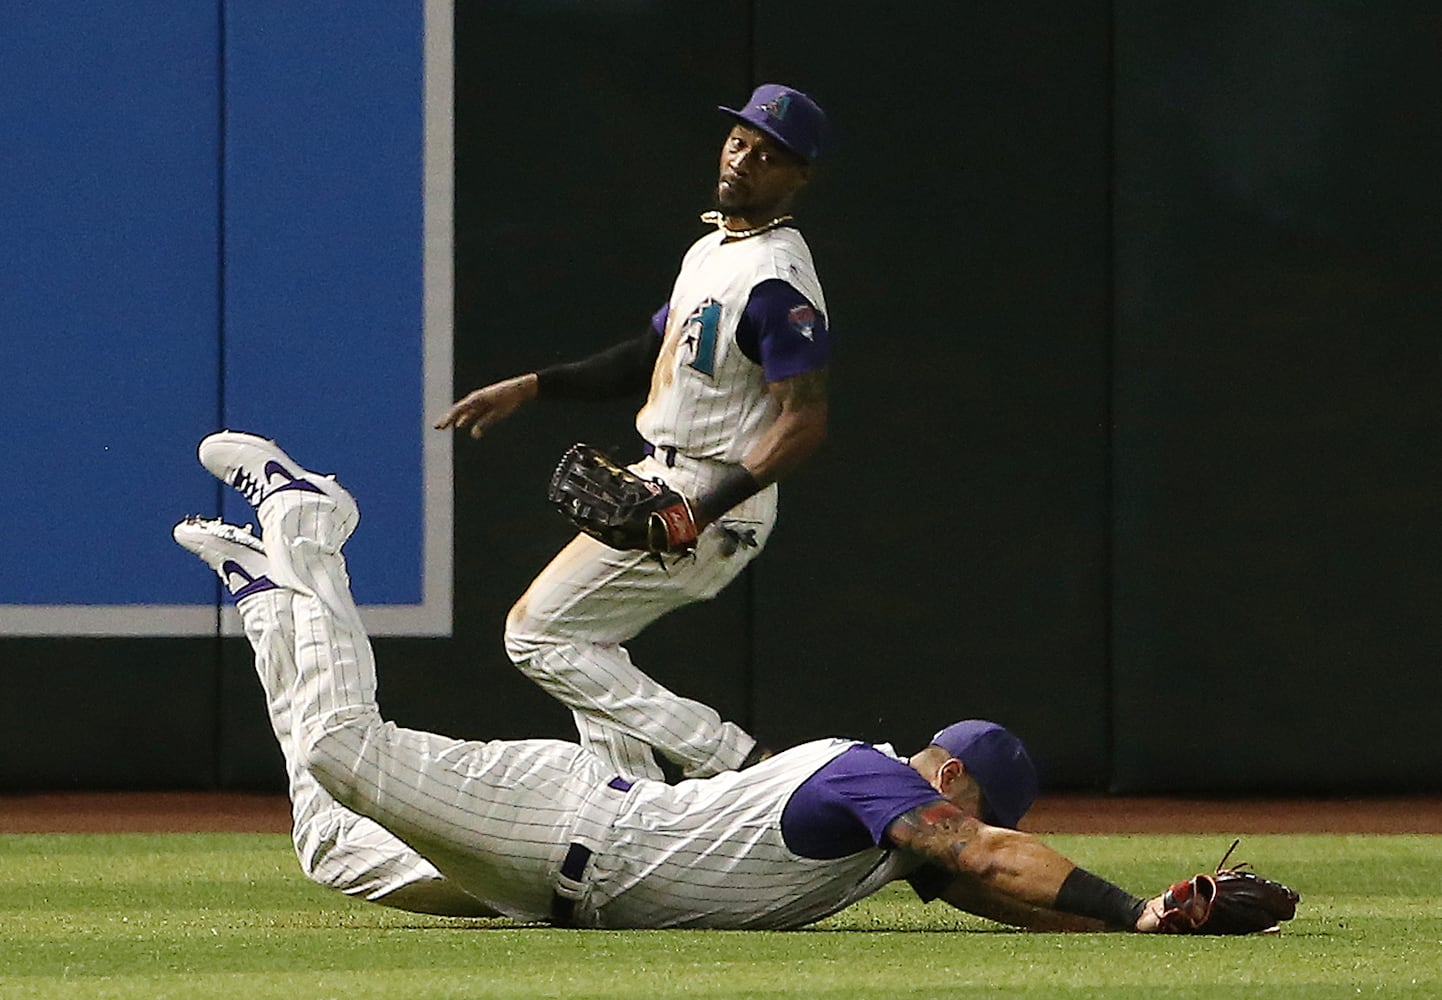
798 431
799 428
1016 864
1013 877
973 896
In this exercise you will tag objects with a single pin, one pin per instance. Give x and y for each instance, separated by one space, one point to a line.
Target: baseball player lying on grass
545 830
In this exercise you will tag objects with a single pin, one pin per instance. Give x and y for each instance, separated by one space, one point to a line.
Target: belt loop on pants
563 908
571 882
666 452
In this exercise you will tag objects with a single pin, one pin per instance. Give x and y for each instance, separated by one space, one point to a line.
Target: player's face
758 177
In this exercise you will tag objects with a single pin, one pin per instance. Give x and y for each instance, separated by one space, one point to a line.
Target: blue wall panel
323 250
219 215
108 297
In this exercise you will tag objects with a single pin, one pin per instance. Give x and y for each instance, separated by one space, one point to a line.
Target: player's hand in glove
1229 901
619 508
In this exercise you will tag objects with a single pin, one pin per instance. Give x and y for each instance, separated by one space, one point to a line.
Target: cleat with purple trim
261 472
236 555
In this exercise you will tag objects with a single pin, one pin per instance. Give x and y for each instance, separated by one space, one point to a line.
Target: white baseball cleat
305 518
261 472
236 555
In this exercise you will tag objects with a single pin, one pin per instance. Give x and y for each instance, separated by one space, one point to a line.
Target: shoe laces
251 488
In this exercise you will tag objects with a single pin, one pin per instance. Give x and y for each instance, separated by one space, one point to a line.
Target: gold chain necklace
719 221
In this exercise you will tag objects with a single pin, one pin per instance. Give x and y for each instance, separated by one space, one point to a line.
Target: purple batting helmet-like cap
786 115
997 759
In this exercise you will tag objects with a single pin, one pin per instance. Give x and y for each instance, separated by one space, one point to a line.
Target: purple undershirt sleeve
783 332
846 806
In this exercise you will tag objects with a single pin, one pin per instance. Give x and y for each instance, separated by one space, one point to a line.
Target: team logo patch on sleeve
803 320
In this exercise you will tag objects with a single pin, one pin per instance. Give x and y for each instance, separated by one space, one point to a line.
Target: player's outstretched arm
621 370
1012 876
971 895
487 406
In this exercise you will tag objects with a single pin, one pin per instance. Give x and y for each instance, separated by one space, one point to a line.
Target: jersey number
706 320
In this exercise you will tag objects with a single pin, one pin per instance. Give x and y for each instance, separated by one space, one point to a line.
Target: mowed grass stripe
229 916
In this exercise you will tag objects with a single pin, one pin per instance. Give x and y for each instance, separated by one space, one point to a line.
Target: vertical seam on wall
751 45
749 665
220 194
217 748
1109 682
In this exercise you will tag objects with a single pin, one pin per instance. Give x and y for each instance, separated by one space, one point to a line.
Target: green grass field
192 917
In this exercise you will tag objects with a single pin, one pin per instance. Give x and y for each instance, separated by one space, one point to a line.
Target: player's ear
960 788
947 775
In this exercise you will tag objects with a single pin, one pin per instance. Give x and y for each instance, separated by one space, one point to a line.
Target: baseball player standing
736 368
546 830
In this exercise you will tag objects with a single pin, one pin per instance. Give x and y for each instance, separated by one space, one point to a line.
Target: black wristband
1087 895
736 484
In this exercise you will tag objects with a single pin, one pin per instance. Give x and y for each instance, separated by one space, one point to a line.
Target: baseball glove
1229 901
617 507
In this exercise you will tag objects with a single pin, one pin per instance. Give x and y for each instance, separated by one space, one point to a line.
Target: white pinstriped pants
405 818
498 819
566 631
336 847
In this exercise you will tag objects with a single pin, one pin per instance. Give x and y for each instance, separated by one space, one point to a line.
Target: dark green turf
192 917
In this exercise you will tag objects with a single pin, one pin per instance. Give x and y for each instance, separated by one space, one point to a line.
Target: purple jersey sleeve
658 319
846 806
783 332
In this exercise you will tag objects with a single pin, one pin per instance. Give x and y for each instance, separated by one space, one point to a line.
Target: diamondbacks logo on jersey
700 336
803 320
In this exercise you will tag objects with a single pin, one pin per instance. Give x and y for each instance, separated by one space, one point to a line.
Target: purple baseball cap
786 115
997 759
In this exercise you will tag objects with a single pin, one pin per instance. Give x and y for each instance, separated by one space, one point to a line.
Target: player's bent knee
524 636
332 747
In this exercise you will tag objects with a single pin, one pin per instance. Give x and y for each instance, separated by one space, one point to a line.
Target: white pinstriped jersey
707 399
711 853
